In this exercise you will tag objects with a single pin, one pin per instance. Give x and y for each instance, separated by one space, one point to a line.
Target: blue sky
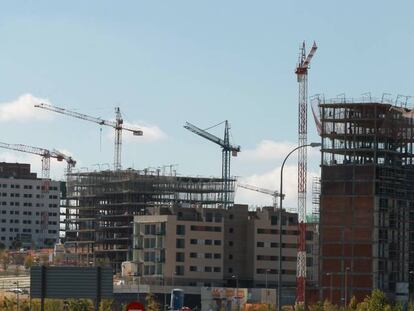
168 62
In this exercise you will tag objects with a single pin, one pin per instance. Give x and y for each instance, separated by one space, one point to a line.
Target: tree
152 303
4 259
376 301
28 261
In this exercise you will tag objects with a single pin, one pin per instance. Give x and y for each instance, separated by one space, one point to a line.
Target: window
193 241
179 257
207 269
208 255
193 255
217 269
218 217
180 230
231 216
230 256
217 256
260 244
231 230
209 217
230 243
230 270
217 242
149 256
208 242
179 270
193 268
180 243
273 220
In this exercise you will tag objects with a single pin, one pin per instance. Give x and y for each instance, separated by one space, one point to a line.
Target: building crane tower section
117 125
274 194
46 155
302 78
228 150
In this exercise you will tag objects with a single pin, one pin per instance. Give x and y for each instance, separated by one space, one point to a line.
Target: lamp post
330 274
237 291
267 291
346 286
279 282
17 294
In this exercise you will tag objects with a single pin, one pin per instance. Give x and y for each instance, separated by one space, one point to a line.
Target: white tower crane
117 125
45 154
274 194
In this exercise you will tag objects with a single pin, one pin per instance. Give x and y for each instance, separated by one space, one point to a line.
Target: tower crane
117 125
227 150
302 78
45 154
274 194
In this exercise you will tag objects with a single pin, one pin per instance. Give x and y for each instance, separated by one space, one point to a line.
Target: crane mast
302 78
117 125
227 151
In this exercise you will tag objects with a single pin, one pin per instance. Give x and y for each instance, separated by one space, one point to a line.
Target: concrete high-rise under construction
101 206
367 199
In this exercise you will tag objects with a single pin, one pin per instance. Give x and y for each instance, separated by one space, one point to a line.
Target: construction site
367 198
101 207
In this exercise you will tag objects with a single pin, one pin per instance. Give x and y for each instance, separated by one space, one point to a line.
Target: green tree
328 306
80 305
4 259
376 301
106 305
316 307
28 261
152 303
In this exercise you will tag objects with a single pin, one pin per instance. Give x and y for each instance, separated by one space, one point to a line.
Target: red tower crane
117 125
302 77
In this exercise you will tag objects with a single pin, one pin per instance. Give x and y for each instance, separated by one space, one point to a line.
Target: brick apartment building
217 247
367 199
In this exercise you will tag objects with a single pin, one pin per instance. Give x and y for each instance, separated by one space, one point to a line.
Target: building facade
367 199
29 208
217 247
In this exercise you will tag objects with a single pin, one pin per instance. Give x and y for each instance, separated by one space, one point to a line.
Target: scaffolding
101 206
367 197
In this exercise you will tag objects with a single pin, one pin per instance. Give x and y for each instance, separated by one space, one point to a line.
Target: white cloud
22 109
151 133
268 150
268 156
271 180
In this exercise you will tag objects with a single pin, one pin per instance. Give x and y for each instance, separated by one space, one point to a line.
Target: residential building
29 208
217 247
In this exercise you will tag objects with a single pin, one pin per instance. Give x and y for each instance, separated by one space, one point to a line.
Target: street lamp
17 294
346 285
237 290
279 283
267 291
330 274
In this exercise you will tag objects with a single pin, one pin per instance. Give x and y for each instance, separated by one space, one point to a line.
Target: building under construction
367 199
101 207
